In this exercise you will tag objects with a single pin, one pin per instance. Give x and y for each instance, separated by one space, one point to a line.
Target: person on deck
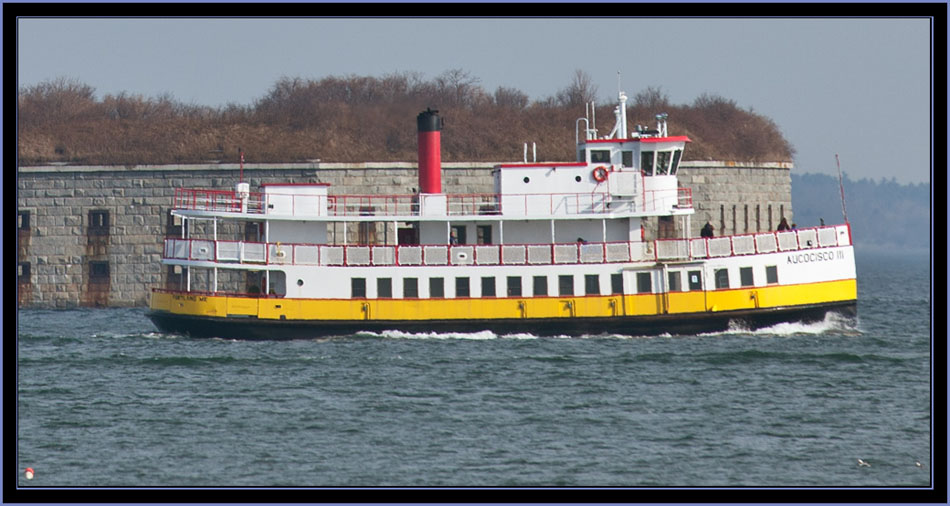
783 225
707 230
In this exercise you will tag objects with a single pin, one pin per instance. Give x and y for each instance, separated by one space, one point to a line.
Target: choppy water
105 400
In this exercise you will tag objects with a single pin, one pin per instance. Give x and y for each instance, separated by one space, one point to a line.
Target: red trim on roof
295 184
680 138
566 164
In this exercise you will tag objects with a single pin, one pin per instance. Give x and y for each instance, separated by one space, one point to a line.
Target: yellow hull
421 310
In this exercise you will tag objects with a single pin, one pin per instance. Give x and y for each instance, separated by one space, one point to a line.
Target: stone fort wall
93 235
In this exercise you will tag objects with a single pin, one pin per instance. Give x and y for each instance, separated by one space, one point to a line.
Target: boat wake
833 324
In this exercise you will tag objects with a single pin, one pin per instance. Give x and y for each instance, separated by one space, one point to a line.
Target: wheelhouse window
771 274
436 287
410 288
745 276
644 282
677 154
722 278
663 163
358 288
565 285
646 162
488 287
514 286
540 285
695 280
626 158
600 156
591 284
384 288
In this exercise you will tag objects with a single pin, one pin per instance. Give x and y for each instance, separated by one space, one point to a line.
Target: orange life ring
599 174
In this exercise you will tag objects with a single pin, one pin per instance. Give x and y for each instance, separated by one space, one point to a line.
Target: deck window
410 288
771 274
483 233
358 288
514 286
436 287
675 285
644 282
384 288
695 280
457 235
565 285
600 156
488 287
745 276
591 284
540 285
23 220
722 278
616 283
461 287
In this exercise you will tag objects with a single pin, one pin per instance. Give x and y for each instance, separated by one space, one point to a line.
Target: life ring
599 174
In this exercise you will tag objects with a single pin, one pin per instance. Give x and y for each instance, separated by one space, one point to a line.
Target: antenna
619 88
844 210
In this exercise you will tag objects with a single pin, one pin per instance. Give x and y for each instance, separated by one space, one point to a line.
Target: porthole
577 178
299 282
527 179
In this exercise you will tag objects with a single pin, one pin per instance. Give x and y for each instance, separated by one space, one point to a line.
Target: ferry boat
556 249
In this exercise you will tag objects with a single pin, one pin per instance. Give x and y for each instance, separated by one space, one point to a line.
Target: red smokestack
430 152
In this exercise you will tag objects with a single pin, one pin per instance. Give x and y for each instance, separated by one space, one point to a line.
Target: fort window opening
23 273
98 222
98 270
23 220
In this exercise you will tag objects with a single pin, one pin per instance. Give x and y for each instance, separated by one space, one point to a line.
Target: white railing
241 252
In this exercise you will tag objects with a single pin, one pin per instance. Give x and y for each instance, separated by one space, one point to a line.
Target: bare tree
652 99
581 90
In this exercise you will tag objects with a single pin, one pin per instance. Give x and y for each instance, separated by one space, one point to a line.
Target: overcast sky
861 88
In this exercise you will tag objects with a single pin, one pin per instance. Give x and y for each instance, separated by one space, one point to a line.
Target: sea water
105 400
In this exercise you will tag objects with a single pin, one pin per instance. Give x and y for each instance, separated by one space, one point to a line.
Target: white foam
399 334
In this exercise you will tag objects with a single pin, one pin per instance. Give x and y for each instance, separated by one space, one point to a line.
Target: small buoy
862 463
29 473
917 463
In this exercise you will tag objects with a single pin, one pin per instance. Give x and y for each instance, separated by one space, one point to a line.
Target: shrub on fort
363 118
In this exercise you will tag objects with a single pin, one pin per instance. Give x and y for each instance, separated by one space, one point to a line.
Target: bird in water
917 463
862 463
